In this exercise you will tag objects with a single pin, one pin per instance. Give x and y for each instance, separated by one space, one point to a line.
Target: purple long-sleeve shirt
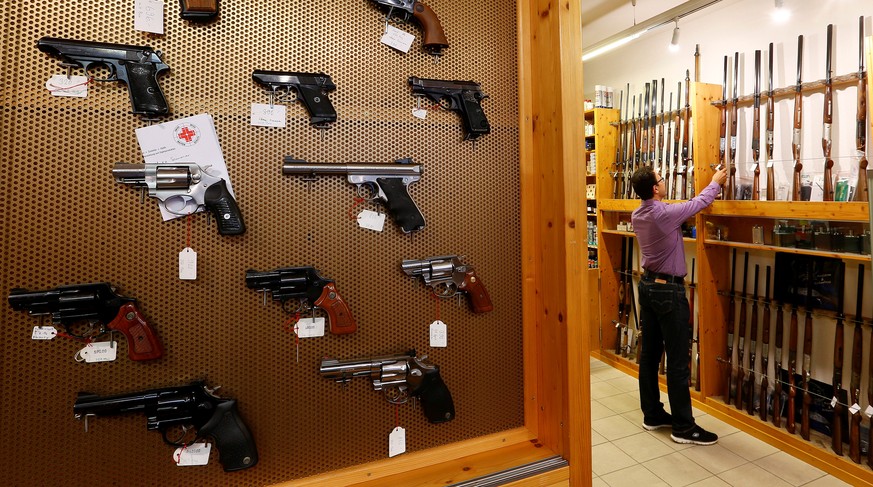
658 228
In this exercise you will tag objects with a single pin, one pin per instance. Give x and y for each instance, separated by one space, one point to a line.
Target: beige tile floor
625 455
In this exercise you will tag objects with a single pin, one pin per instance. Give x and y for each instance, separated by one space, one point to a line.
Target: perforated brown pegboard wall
67 221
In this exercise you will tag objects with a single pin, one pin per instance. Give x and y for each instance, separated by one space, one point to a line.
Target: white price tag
43 333
371 220
869 411
148 16
419 113
188 264
98 352
264 115
193 454
397 442
310 327
855 408
397 39
74 86
438 334
834 401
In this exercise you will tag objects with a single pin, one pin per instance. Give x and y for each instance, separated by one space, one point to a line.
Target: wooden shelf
791 250
618 205
844 211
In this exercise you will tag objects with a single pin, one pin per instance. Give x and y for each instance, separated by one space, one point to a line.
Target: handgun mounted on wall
434 36
191 405
138 67
447 275
464 97
398 377
311 90
186 183
97 303
305 284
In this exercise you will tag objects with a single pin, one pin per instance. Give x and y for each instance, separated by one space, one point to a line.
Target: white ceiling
603 18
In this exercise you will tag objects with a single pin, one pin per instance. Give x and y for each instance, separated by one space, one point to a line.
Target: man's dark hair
643 181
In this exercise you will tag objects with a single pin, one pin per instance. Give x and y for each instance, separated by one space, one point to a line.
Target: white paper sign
188 264
397 39
148 16
869 412
419 113
371 220
74 86
192 455
397 442
834 401
191 139
855 408
43 333
98 352
265 115
310 327
438 334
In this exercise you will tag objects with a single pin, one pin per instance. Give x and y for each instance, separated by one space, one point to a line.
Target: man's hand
720 176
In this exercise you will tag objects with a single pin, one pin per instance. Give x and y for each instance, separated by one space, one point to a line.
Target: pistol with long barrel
305 284
398 377
185 183
191 405
389 184
138 67
95 303
447 275
311 90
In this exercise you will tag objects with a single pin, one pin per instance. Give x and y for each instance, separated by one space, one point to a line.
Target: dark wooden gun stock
837 421
741 332
861 125
855 382
806 366
765 350
730 331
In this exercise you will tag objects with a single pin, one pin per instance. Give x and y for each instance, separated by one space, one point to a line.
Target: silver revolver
188 183
447 275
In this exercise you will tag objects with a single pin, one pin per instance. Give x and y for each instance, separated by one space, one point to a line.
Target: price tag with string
264 115
397 438
438 330
66 85
371 220
290 326
94 352
192 455
397 38
149 16
44 333
188 257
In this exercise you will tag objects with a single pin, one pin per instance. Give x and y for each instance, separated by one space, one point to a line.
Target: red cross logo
187 134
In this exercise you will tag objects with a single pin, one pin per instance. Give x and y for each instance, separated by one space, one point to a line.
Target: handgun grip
436 400
474 118
146 96
338 313
400 204
236 447
318 105
480 301
142 343
434 35
218 200
198 10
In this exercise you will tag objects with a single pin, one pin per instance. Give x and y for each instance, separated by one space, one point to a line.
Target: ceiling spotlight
780 14
674 43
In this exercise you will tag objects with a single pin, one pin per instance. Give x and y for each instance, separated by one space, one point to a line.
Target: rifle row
789 91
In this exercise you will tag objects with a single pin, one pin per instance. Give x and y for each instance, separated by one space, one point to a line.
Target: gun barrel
420 84
170 398
280 282
430 266
342 370
297 166
274 79
69 48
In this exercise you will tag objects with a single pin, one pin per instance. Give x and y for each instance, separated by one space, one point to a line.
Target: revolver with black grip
447 275
191 405
304 283
464 97
138 67
389 184
185 183
96 303
311 90
398 377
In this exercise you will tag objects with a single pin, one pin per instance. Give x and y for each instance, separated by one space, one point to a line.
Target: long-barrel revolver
464 97
190 405
398 377
138 67
305 284
96 303
434 36
389 184
311 90
185 184
448 275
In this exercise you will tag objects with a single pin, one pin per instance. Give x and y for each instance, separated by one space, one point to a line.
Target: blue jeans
664 315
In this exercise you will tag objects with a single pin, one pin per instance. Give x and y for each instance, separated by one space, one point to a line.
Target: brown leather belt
663 278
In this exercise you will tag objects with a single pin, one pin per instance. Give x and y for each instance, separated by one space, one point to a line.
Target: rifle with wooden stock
827 119
732 167
798 124
622 301
633 149
750 389
792 365
616 181
632 301
722 129
756 130
644 145
806 371
653 125
671 172
771 107
691 322
861 125
837 421
687 158
869 400
855 382
730 331
661 136
777 381
765 350
677 138
741 330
